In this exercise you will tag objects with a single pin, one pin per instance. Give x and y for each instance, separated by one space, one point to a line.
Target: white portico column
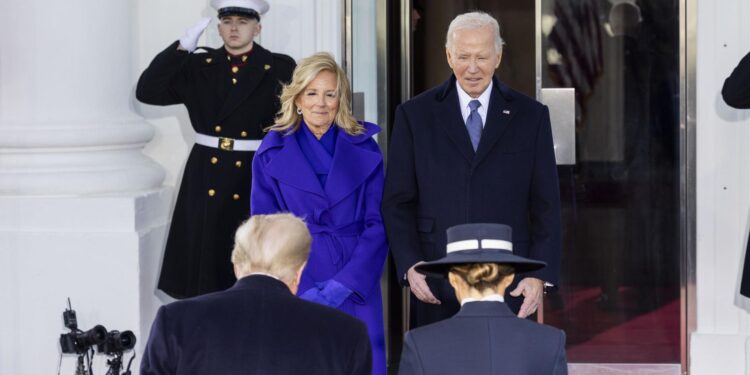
82 211
66 126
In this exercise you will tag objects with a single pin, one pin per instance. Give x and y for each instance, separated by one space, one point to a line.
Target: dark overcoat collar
352 164
499 114
485 308
259 63
261 282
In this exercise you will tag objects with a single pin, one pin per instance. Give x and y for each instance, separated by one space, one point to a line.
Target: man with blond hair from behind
258 326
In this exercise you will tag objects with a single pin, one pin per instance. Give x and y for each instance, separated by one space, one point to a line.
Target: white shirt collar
464 99
263 274
487 298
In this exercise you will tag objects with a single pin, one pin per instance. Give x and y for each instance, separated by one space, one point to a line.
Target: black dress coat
214 196
736 93
434 180
256 327
484 338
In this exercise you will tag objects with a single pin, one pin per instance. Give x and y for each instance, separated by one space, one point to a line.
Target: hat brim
238 11
442 266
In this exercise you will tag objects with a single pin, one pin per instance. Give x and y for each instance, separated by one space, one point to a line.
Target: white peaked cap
260 6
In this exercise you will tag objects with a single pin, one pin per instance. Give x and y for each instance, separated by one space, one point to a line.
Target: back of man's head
277 244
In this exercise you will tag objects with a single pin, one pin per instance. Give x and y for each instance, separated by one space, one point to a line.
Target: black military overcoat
215 191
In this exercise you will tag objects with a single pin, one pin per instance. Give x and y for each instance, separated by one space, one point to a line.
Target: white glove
189 40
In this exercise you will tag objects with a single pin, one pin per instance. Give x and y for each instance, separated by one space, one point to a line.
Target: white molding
66 126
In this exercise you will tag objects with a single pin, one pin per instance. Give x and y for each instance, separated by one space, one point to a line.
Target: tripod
115 364
81 367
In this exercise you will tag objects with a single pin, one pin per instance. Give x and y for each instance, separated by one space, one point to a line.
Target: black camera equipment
116 343
113 344
79 342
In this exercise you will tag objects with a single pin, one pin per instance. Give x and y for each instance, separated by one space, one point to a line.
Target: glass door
617 62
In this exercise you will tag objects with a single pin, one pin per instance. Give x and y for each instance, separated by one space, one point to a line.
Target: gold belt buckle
226 144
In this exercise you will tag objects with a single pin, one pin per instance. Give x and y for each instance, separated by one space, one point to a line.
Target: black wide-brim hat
479 243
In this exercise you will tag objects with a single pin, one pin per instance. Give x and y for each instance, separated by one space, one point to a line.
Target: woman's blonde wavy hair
483 276
287 119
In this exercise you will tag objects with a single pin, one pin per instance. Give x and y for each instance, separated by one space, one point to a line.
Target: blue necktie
474 123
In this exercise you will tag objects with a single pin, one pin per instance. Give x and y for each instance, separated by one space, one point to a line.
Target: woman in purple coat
320 164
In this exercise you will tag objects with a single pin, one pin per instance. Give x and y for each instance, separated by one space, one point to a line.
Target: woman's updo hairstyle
482 276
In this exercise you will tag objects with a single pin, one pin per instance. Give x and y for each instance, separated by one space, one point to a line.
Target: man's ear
236 271
448 57
299 271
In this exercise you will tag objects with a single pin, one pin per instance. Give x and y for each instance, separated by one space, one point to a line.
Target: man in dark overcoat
471 150
231 94
259 326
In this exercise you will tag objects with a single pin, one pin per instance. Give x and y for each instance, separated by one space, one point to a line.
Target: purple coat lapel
352 164
290 166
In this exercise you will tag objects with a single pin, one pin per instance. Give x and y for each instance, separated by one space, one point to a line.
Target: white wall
723 193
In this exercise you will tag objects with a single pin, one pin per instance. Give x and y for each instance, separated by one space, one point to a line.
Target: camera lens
117 342
92 337
122 341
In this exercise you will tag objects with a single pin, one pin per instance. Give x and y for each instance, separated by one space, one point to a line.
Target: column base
76 160
712 354
102 252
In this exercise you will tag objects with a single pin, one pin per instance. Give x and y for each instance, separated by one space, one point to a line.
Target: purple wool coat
349 244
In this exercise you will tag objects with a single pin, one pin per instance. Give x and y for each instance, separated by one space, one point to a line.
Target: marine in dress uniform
231 95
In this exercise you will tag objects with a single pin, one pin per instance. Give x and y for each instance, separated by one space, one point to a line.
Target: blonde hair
287 119
276 244
473 21
483 276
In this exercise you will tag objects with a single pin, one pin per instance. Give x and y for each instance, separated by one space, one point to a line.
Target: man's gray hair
276 244
472 21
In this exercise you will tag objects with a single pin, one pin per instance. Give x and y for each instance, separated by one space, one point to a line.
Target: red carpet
632 329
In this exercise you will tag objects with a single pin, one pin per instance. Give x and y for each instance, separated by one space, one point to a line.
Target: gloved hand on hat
189 40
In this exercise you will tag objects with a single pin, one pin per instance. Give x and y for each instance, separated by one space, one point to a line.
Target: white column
721 344
66 126
82 210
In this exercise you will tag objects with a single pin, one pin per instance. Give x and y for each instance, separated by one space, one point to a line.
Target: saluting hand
418 285
189 40
532 290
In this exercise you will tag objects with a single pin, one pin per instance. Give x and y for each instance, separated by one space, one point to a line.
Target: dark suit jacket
201 235
435 180
736 92
255 327
484 338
